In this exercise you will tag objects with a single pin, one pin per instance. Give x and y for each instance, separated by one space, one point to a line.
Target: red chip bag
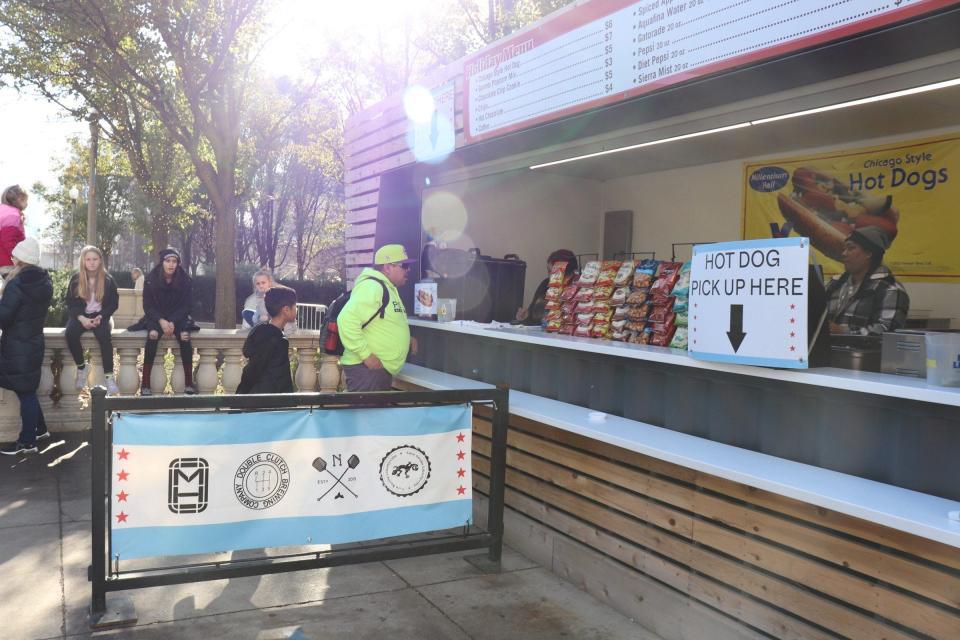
584 294
558 272
568 292
608 273
568 308
619 296
590 273
670 269
664 285
660 314
662 339
585 318
601 307
567 329
584 307
582 331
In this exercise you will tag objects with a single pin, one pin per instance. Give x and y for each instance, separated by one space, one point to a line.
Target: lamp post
74 194
92 191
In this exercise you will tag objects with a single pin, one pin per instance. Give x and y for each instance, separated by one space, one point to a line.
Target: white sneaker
81 380
111 385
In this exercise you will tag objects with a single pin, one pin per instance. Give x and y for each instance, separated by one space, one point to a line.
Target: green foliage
57 316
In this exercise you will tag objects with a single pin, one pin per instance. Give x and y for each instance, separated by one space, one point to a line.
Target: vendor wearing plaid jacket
866 299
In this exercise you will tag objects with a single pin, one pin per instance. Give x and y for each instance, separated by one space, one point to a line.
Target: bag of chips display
660 313
589 275
553 316
642 281
567 329
640 312
553 326
601 306
680 319
585 318
669 269
635 325
620 312
602 293
618 325
553 293
584 294
569 292
662 338
552 305
600 330
625 273
584 307
682 287
663 286
582 331
680 304
568 308
603 316
648 266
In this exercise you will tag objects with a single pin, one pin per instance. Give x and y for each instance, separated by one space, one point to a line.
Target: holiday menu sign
748 302
201 482
606 51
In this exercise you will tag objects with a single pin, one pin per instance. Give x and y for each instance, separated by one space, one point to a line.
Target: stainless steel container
904 353
860 353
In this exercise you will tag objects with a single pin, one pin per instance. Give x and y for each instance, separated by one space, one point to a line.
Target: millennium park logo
261 481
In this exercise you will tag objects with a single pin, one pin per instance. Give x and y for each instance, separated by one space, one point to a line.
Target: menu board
608 50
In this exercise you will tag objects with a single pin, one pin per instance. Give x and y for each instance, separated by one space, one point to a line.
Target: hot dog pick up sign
748 302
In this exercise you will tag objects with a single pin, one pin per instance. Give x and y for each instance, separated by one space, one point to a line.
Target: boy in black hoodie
266 348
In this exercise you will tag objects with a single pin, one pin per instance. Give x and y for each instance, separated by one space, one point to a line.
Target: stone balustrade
218 362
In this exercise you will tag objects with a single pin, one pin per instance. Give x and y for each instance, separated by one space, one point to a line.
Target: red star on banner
793 320
793 306
461 490
123 454
460 437
461 473
122 475
121 517
792 348
460 455
793 334
122 496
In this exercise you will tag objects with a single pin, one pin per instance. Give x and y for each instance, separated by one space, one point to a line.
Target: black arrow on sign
736 333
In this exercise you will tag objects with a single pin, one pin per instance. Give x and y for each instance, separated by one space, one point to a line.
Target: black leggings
102 333
186 350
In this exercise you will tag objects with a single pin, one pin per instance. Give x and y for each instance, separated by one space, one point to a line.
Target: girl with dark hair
23 311
533 315
167 300
92 299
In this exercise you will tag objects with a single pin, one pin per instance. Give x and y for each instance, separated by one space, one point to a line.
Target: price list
643 46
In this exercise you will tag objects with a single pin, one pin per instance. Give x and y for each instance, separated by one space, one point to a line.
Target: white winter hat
28 250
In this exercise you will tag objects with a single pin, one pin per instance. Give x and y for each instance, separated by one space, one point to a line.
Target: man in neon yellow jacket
376 337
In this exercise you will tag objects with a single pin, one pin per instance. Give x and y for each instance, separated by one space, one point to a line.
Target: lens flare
418 104
445 215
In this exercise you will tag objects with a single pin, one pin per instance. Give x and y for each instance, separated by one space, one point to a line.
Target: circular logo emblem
404 470
261 481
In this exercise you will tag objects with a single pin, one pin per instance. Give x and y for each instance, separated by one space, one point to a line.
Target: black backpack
329 334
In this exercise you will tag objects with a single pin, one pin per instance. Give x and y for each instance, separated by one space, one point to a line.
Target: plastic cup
943 359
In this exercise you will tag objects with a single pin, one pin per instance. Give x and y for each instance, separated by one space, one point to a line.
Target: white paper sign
748 302
425 299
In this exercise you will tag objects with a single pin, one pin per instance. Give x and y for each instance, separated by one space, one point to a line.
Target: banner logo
321 466
405 470
261 481
188 485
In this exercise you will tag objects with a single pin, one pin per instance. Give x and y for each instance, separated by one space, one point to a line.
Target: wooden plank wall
375 142
782 567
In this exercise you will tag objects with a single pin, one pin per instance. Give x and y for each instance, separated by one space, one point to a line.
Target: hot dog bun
826 236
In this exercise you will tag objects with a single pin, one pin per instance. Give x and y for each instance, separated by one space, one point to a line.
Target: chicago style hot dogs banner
201 483
908 189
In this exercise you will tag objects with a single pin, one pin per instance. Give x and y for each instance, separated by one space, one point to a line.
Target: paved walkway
45 550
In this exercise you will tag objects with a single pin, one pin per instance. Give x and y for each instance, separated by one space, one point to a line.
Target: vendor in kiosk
533 315
866 299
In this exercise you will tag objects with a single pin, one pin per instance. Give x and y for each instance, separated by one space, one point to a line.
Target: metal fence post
98 497
498 471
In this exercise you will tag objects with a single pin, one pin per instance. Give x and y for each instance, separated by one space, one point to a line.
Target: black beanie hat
169 251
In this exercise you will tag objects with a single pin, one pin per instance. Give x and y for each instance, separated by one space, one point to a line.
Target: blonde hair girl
92 299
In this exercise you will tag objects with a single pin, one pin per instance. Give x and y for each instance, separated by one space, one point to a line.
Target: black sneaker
16 448
43 436
190 390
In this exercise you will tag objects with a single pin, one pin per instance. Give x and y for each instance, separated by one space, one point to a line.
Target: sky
34 133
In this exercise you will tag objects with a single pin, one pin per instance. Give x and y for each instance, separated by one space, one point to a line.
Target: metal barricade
105 578
310 316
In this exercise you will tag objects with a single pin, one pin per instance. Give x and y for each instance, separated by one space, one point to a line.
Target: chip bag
590 273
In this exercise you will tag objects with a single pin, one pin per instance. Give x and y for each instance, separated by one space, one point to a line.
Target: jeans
31 417
102 333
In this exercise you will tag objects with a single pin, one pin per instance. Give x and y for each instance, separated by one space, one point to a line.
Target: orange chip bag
558 272
608 273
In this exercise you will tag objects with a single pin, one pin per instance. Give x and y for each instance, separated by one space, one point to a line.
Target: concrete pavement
45 550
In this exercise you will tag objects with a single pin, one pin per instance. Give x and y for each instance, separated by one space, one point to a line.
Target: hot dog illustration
827 211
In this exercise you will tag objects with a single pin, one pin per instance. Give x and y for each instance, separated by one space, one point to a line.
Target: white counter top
860 381
902 509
